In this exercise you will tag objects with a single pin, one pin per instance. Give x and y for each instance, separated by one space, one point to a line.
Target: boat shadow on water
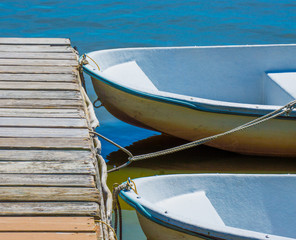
199 159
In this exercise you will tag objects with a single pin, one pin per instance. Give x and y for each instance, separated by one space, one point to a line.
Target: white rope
276 113
94 122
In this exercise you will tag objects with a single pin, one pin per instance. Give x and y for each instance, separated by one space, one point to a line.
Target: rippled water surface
94 25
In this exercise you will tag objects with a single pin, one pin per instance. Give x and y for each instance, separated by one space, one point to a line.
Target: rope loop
132 185
85 62
97 106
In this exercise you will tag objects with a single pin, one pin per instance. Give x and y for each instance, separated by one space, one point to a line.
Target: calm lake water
101 24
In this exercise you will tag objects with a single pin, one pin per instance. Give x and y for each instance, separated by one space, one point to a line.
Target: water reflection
199 159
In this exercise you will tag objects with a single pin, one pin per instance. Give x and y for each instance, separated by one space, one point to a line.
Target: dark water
94 25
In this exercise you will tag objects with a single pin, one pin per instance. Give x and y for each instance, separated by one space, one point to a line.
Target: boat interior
264 75
259 203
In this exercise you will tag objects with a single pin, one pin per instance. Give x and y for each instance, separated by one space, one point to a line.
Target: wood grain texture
38 77
48 236
45 155
48 194
49 208
34 41
43 132
46 143
46 152
37 62
41 103
67 167
44 180
42 113
31 94
37 69
12 85
43 122
34 48
37 55
47 224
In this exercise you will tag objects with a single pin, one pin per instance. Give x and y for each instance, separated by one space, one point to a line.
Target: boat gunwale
201 104
146 214
143 207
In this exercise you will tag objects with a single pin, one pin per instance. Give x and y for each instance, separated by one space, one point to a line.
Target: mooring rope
111 228
84 61
276 113
117 207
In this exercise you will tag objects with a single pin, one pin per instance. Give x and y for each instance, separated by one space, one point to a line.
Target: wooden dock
48 173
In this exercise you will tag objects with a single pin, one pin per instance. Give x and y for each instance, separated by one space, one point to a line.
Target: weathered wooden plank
31 94
45 143
48 236
41 103
67 167
42 113
37 69
23 41
45 155
43 122
43 132
57 180
43 80
37 62
37 55
47 224
11 85
38 77
48 194
49 208
34 48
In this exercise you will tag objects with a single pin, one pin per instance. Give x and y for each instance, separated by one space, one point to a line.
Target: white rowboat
215 206
196 92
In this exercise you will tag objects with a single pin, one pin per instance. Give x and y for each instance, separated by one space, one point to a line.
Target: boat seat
279 88
193 206
129 74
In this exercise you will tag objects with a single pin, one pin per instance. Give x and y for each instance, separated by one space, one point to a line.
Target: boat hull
215 206
273 138
155 231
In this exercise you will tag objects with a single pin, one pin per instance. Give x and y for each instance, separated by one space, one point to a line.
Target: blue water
93 25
